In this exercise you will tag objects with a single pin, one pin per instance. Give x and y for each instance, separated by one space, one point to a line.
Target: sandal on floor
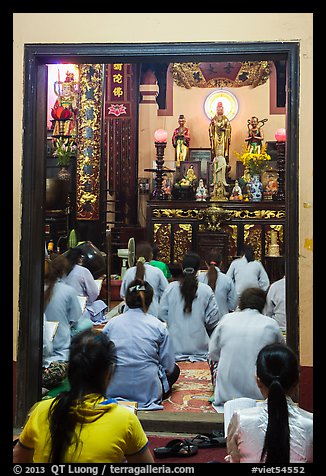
208 440
176 448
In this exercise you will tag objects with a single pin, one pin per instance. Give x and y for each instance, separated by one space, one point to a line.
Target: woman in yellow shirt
81 425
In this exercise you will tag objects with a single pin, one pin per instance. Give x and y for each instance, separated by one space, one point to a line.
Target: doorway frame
36 56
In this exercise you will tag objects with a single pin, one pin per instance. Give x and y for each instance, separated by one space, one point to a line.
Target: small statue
255 135
219 181
166 187
220 133
219 192
190 175
65 110
236 193
201 192
181 141
244 183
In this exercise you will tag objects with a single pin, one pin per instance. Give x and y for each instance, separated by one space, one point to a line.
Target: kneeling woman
145 368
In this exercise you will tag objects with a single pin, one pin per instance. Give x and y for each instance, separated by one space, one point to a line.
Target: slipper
176 448
208 440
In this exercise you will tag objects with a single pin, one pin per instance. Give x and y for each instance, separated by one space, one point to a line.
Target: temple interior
125 149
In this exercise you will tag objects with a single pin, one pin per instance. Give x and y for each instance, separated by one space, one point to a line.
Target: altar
177 227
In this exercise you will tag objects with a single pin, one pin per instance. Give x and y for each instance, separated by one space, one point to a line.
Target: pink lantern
160 135
280 135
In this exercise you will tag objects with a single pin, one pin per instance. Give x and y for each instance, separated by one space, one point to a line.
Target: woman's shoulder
204 288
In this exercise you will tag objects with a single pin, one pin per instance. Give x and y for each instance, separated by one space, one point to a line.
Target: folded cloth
96 311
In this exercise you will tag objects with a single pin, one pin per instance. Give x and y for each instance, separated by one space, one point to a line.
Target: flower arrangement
63 150
256 163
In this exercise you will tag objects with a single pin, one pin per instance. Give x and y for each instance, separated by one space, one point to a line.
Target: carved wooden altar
179 226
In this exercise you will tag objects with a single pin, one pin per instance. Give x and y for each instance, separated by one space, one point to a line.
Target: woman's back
106 432
64 308
154 276
81 279
247 429
248 275
143 347
224 291
189 331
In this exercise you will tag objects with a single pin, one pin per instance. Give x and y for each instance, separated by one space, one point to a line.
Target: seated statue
201 192
236 193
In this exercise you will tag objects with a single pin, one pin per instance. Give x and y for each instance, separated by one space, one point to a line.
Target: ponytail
214 260
189 281
278 370
277 439
212 275
188 288
144 254
140 268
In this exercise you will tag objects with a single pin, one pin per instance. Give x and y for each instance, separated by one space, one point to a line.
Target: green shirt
164 267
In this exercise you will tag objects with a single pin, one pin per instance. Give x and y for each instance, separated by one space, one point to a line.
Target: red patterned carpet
192 390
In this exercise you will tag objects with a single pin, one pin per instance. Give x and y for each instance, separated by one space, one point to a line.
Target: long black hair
189 281
144 254
91 364
278 369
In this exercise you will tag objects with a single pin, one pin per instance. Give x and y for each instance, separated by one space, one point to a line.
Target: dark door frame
29 352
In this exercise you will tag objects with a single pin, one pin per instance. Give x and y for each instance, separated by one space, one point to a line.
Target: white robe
189 331
235 344
275 303
155 277
246 274
247 429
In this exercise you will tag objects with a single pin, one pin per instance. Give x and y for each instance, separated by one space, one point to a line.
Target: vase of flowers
255 163
64 149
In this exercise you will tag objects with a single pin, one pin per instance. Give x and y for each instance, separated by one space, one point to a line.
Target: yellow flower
256 163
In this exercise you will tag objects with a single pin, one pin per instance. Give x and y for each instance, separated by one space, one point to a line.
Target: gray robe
189 332
235 344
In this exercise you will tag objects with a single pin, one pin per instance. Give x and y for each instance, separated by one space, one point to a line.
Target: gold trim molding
237 214
250 73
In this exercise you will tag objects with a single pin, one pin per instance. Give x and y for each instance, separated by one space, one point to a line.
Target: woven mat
192 390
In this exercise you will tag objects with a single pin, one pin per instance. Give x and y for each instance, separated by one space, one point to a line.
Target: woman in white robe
145 367
145 271
82 280
190 310
246 272
235 343
60 305
275 431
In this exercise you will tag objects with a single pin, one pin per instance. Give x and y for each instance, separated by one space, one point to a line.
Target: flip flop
176 448
208 440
